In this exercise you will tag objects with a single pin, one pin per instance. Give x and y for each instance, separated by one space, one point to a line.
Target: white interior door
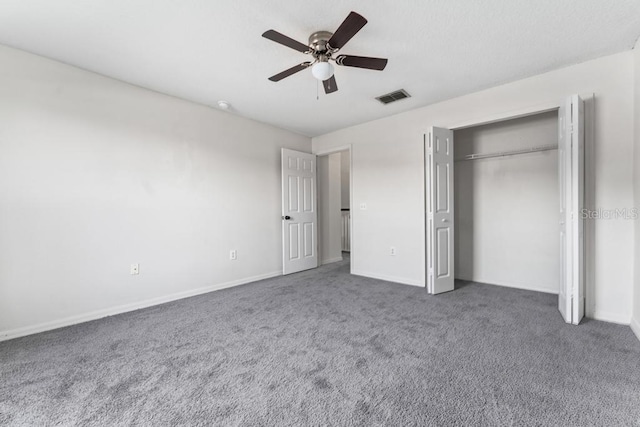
440 225
571 179
299 212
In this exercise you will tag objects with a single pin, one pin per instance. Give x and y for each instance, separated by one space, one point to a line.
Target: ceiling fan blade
349 27
290 71
362 62
287 41
330 85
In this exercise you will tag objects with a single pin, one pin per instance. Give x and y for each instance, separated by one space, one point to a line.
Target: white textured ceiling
208 50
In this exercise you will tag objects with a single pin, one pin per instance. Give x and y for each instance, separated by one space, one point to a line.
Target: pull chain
317 90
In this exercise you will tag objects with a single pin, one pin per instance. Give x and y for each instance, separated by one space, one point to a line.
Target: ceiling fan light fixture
322 46
322 70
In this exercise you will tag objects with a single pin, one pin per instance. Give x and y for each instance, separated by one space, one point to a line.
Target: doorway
507 203
440 206
334 207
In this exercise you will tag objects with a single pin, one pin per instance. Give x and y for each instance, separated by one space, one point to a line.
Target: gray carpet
326 348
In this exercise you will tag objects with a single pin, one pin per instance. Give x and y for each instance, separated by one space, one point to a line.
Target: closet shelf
508 153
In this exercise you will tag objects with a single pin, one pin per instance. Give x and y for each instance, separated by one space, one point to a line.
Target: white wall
96 174
387 168
345 170
635 324
506 208
329 200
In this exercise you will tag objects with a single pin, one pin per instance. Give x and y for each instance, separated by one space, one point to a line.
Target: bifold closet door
299 212
571 179
439 206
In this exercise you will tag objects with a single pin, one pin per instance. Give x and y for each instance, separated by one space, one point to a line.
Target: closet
507 203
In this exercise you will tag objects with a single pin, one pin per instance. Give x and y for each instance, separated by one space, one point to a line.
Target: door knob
444 220
286 217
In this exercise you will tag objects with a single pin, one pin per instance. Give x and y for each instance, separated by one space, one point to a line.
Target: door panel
443 248
309 194
439 204
299 215
294 235
309 241
293 193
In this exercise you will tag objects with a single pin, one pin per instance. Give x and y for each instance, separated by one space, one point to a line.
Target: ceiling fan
323 45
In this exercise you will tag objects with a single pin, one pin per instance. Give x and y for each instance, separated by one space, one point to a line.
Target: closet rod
508 153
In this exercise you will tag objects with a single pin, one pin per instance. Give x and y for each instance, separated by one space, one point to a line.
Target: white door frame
334 150
545 107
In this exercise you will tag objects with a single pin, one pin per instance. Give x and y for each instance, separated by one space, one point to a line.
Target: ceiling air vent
393 96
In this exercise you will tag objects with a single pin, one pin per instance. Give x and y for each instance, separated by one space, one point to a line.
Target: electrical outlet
392 251
135 269
363 206
233 255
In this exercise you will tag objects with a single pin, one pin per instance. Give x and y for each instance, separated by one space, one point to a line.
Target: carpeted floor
326 348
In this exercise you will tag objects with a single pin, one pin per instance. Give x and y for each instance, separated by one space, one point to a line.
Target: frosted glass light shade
322 70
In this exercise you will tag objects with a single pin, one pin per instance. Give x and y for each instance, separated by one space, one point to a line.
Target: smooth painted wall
329 200
96 174
388 174
506 208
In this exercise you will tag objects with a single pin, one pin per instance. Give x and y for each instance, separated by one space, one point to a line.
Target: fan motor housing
318 41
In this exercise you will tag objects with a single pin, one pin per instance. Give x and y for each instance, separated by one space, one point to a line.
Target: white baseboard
331 260
516 286
635 327
402 280
98 314
611 317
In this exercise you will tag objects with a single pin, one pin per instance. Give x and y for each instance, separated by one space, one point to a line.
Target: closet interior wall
506 207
